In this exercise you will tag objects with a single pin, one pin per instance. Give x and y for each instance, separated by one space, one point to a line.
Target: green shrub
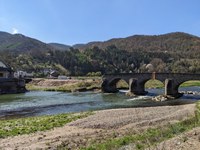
33 124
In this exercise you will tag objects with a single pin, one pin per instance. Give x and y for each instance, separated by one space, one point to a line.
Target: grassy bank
78 85
190 83
150 137
29 125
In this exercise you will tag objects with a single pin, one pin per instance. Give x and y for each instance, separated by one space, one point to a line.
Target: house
8 83
54 74
5 71
23 74
62 77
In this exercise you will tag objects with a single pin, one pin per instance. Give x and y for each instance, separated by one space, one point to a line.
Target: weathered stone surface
12 86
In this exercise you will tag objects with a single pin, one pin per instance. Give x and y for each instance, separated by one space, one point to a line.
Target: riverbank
12 86
69 85
103 126
87 84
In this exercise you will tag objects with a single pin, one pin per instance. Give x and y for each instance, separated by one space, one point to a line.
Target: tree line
111 59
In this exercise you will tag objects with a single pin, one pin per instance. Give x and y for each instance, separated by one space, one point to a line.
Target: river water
37 103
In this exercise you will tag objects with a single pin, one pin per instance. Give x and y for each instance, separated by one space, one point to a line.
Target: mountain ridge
19 42
60 46
173 52
135 42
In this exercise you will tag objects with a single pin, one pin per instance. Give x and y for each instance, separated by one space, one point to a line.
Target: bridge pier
171 89
136 87
105 87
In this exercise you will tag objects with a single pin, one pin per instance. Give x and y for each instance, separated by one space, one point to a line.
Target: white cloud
14 31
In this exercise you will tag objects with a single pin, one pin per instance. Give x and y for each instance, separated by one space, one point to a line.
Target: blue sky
81 21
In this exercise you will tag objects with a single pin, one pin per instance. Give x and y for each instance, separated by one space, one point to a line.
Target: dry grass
64 85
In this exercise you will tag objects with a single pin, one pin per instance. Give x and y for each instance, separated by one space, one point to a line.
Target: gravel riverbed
100 126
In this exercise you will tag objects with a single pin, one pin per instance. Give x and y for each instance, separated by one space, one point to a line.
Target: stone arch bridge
136 82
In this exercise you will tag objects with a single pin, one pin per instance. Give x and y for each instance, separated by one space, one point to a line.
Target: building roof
4 67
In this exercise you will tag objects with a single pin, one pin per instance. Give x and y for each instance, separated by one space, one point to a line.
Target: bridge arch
172 86
122 84
137 86
191 83
153 84
111 85
114 81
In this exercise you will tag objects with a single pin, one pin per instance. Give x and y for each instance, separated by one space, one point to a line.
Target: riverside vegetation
14 127
85 84
150 137
173 52
72 85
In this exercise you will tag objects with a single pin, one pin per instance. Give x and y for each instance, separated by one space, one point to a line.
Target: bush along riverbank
29 125
150 137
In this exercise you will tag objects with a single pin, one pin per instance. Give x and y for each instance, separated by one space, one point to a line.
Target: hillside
171 42
19 43
173 52
177 41
61 47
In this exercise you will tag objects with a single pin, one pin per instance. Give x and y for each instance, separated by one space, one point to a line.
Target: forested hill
61 47
171 42
177 41
19 43
173 52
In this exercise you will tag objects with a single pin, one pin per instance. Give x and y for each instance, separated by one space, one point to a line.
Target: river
37 103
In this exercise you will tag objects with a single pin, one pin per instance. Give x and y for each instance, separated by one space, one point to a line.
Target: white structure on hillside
23 74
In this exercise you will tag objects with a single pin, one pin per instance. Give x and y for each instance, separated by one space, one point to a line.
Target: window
1 74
